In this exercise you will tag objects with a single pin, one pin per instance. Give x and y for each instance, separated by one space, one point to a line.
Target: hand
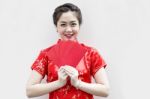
62 76
73 73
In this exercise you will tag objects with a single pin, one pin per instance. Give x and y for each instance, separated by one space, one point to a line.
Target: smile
68 35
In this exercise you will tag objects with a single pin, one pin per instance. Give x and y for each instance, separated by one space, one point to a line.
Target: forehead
68 16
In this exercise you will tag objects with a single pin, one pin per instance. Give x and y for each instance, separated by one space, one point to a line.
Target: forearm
41 89
94 88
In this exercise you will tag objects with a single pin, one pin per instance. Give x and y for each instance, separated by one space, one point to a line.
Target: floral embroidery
88 65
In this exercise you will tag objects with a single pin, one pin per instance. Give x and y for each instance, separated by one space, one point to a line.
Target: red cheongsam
87 67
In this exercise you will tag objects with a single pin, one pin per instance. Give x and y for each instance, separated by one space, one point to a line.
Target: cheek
76 30
60 30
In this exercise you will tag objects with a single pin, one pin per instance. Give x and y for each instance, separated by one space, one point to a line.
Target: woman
68 82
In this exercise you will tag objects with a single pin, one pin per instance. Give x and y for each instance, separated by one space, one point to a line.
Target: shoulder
89 48
46 50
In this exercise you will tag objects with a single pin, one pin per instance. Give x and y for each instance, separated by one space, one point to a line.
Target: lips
68 35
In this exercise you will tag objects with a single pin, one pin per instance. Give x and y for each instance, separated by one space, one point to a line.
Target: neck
74 40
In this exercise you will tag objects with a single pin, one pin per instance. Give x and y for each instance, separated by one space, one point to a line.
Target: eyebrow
66 22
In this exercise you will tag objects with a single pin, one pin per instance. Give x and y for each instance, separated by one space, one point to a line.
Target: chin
71 39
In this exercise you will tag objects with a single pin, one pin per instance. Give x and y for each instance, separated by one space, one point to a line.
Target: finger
71 70
70 74
65 76
62 67
62 70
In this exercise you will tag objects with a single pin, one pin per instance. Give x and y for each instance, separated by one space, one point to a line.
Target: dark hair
65 8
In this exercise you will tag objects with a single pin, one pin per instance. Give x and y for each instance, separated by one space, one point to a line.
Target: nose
68 29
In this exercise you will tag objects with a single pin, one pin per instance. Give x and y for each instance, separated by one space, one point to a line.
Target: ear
56 30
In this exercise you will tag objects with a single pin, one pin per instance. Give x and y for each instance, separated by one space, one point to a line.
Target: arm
100 88
36 88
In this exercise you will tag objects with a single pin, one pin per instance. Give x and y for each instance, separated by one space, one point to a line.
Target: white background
119 29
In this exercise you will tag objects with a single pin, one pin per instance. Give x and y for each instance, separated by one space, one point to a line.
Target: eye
73 24
63 25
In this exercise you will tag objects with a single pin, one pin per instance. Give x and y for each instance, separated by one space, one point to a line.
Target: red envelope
67 53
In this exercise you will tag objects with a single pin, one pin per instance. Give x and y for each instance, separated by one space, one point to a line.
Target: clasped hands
64 72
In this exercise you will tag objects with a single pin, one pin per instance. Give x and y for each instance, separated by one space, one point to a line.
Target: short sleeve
97 62
40 64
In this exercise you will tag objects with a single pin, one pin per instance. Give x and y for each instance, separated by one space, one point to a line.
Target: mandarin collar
60 40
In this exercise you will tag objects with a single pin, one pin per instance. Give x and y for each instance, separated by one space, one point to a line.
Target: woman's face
68 26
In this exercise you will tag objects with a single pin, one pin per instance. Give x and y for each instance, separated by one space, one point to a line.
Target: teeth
69 35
